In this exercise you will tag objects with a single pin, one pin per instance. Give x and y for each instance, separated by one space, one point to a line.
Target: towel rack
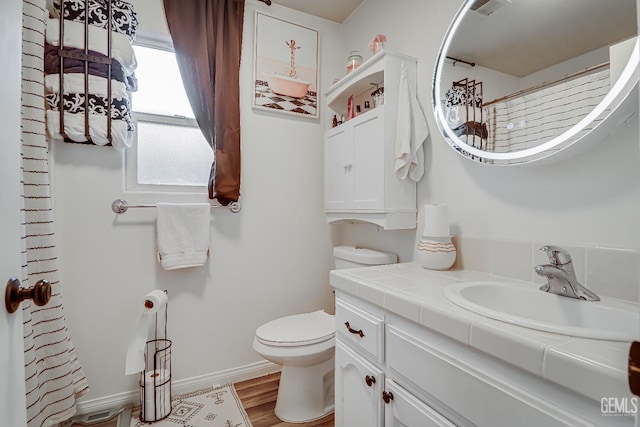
120 206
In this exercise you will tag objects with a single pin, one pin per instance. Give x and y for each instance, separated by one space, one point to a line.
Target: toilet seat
297 330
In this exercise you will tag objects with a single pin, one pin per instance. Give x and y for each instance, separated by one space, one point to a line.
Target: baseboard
132 398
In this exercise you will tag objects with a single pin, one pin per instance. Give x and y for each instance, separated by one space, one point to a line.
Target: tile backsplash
606 271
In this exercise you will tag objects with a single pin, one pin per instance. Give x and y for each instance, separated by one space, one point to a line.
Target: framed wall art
285 67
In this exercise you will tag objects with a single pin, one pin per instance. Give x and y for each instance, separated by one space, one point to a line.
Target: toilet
304 345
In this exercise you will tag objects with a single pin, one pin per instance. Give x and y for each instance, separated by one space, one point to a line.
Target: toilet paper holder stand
155 380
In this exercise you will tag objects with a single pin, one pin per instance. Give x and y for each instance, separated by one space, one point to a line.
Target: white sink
523 304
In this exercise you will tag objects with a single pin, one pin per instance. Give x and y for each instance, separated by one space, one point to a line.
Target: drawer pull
353 331
387 396
370 380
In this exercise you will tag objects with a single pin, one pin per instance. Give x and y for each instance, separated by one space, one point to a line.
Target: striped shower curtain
523 122
54 378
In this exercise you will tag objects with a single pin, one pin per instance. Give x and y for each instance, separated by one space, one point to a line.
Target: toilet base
306 393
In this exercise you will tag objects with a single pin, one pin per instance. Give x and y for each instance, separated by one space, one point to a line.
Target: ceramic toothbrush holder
436 253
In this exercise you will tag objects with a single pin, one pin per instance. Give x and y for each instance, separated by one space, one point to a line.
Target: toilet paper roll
154 301
151 304
157 394
436 220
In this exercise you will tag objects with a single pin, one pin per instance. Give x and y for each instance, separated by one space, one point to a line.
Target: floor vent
112 418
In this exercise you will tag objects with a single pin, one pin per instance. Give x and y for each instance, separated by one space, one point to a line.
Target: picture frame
286 67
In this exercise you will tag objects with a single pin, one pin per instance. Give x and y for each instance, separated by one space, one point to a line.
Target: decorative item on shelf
377 43
378 97
350 108
353 61
435 248
335 121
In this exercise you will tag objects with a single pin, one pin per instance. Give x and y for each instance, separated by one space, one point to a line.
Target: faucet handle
557 255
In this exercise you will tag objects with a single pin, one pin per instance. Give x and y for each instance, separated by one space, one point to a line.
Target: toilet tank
351 257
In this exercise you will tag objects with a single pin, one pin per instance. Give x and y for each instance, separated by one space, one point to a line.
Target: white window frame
131 155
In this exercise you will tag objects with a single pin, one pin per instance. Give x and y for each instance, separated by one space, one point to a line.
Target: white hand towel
183 234
411 132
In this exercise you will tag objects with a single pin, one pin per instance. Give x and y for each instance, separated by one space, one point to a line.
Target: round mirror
518 81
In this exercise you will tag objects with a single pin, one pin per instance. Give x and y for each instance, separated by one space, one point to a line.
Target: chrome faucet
561 276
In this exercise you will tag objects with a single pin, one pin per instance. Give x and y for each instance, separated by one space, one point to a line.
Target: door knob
40 293
387 396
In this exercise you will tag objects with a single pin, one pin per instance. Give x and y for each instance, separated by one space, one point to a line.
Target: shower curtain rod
472 64
120 206
550 83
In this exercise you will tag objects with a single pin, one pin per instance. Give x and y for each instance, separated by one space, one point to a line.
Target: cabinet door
404 410
338 163
358 390
368 161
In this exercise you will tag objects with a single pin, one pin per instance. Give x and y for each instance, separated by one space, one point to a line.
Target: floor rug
213 407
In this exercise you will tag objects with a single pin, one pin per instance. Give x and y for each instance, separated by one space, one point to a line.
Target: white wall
590 199
271 259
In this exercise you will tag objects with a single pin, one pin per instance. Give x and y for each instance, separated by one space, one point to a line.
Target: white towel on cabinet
183 234
411 132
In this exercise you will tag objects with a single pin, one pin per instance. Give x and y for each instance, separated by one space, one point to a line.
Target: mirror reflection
516 78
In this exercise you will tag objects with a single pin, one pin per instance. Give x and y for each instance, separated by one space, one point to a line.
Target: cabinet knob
370 380
347 168
387 396
353 331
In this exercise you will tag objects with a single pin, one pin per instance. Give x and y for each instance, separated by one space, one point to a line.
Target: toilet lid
299 329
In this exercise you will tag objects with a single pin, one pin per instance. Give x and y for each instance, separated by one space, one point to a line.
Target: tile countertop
593 368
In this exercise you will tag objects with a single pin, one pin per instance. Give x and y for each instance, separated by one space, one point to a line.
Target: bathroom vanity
407 356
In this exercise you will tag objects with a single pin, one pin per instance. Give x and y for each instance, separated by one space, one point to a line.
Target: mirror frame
615 108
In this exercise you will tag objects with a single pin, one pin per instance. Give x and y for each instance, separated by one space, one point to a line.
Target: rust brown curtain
207 39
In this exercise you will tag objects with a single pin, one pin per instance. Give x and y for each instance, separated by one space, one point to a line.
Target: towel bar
120 206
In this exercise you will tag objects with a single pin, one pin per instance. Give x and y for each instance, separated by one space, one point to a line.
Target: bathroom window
169 152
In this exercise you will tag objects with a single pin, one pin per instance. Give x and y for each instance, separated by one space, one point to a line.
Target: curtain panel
207 39
54 377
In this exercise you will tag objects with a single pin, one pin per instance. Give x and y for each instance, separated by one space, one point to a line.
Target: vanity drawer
467 390
363 329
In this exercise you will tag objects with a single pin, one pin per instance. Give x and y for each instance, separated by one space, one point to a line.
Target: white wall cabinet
360 179
355 155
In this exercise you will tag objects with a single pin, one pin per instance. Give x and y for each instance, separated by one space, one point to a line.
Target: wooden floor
258 397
